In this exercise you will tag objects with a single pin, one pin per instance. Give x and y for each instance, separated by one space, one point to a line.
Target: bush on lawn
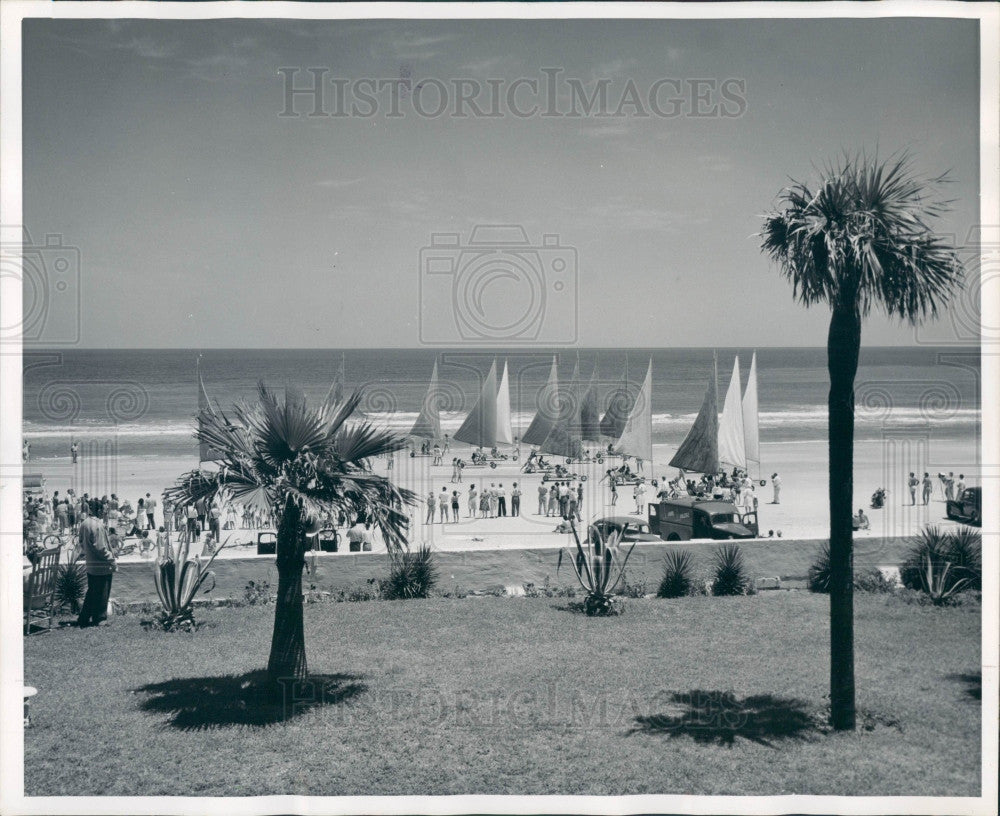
678 575
730 572
955 559
872 580
412 574
71 586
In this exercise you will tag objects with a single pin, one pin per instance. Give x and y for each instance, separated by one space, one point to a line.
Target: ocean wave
799 417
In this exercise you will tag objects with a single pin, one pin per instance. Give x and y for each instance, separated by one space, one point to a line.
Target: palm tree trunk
288 643
843 348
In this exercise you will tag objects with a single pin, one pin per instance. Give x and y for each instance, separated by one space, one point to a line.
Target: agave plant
937 585
599 566
178 576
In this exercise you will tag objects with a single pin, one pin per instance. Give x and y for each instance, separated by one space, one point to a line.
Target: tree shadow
197 703
973 683
720 717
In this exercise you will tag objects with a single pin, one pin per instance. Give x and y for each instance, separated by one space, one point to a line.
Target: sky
204 218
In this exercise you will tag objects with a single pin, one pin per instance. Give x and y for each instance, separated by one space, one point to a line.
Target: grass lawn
498 695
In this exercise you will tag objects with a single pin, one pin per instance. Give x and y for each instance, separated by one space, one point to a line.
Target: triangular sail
548 410
590 419
732 444
480 426
504 431
751 417
637 436
564 438
613 422
699 452
428 424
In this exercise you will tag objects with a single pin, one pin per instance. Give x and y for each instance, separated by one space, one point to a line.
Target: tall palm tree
860 239
296 461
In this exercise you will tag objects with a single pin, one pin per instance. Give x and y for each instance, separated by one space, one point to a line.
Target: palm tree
296 462
860 239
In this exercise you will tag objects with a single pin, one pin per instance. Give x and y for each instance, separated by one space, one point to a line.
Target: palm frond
863 238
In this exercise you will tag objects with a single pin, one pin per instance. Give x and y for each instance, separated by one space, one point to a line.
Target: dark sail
480 426
699 452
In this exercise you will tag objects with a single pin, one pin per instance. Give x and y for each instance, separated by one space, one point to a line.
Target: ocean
146 400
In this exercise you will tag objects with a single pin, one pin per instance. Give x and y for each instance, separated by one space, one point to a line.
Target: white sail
504 431
732 445
751 416
637 438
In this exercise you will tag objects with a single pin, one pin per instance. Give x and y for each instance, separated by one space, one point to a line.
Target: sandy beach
802 512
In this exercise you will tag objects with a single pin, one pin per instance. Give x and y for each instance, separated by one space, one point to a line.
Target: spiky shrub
959 550
71 586
412 574
678 575
730 572
818 576
966 556
177 576
599 566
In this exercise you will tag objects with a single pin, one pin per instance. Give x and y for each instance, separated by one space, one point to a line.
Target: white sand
802 513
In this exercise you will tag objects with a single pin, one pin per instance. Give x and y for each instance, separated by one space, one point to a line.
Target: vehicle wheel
673 537
493 464
600 459
514 457
583 478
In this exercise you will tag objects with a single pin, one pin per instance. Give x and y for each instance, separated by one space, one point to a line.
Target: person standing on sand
949 485
515 500
928 487
614 491
639 492
443 505
101 565
543 499
911 484
431 503
484 502
776 486
960 486
501 501
472 501
553 508
74 450
454 506
151 512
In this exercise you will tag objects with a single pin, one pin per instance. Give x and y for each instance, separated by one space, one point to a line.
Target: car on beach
688 517
967 507
632 529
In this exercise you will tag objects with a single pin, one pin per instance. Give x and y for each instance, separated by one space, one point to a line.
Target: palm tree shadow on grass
973 683
720 717
196 703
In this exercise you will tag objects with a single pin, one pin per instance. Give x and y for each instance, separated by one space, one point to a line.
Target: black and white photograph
499 407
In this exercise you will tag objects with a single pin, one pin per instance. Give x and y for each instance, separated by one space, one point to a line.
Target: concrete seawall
788 559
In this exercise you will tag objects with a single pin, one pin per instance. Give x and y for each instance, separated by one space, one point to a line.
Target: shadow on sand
720 717
195 703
